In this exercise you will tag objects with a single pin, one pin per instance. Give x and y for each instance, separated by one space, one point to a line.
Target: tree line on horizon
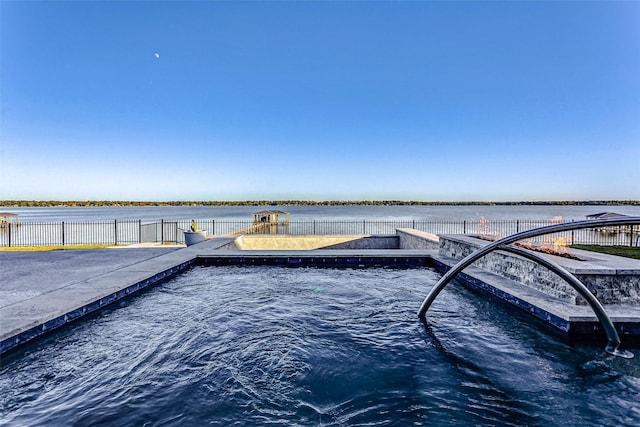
119 203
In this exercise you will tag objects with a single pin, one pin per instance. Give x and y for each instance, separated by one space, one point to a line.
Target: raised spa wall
404 239
613 280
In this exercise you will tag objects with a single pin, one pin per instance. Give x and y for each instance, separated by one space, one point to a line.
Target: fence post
162 231
139 231
517 226
62 233
213 227
464 227
115 232
10 226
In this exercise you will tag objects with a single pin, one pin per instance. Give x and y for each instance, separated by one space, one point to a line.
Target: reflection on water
275 346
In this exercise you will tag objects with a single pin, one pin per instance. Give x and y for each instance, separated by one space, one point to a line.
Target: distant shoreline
119 203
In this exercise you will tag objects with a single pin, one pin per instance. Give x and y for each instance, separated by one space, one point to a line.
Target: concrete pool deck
42 291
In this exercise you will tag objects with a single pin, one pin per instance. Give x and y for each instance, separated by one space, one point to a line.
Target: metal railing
126 232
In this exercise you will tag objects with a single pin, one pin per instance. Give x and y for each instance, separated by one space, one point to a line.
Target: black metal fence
127 232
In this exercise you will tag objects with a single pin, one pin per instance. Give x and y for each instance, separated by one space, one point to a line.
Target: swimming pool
304 346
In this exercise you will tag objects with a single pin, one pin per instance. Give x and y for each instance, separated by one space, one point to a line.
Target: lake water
263 346
304 213
44 226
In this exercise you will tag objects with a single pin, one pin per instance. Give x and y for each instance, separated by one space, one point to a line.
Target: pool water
284 346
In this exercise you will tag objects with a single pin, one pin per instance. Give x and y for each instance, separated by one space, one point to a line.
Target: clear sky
420 100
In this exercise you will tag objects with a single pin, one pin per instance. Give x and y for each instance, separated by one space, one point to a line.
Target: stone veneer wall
610 286
510 266
414 239
613 289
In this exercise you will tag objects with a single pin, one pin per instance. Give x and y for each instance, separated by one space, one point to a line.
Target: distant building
603 215
270 217
7 218
614 229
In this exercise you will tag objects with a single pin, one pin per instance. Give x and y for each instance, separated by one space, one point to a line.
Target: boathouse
611 230
270 217
602 215
7 218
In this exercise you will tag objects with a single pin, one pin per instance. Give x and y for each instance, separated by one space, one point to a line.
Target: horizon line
265 202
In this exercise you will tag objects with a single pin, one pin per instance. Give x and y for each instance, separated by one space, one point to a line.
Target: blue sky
434 101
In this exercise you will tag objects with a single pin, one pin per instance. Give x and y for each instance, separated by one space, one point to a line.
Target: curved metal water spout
501 244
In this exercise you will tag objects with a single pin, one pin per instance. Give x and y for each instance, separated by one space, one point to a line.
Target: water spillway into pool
268 345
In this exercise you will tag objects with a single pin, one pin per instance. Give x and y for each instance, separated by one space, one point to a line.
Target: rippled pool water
276 346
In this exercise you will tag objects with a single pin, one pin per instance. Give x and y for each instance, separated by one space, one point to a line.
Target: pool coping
24 321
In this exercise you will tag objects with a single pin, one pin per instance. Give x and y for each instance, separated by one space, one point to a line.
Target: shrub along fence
127 232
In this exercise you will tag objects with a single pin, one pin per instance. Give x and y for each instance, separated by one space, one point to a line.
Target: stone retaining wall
414 239
610 285
510 266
